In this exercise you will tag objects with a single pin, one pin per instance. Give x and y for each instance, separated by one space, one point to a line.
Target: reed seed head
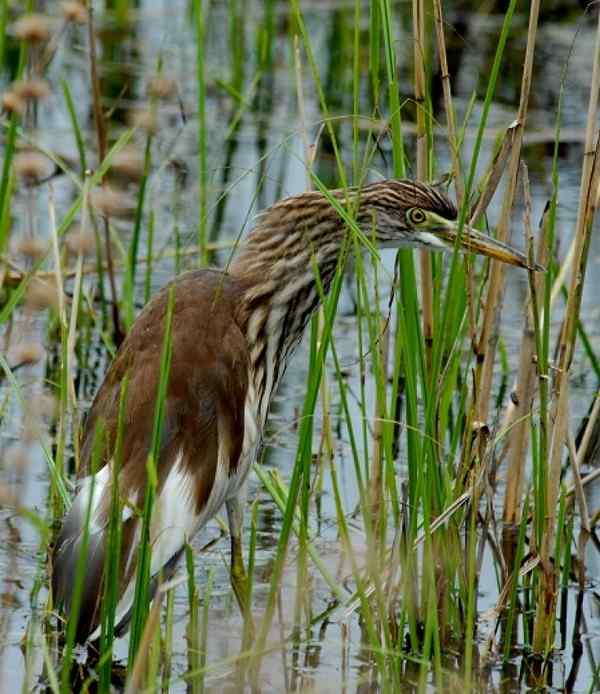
16 457
31 166
79 240
31 90
41 294
33 28
128 164
110 202
13 103
74 12
161 87
27 353
31 247
145 119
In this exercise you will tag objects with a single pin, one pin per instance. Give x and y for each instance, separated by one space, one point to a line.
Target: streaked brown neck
278 266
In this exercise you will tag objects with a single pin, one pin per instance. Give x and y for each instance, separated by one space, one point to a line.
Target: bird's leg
239 580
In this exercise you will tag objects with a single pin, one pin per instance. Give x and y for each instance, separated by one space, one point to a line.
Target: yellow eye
415 216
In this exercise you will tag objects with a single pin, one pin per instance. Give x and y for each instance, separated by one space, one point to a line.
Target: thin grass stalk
7 179
113 552
3 24
149 257
544 623
304 450
143 664
102 139
200 26
204 631
525 389
448 105
79 141
135 237
356 53
71 336
303 597
488 335
587 202
167 663
420 52
278 491
453 303
376 492
370 617
511 618
297 14
584 515
80 569
61 433
192 630
248 626
409 344
141 596
543 340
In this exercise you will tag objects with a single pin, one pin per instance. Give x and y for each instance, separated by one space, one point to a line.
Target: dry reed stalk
423 166
518 414
448 105
101 135
57 272
493 176
589 430
144 650
544 620
579 493
72 332
488 335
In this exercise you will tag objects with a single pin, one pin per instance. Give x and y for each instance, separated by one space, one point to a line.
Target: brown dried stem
544 621
488 336
101 135
519 409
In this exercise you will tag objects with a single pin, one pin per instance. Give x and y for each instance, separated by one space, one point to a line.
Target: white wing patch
174 522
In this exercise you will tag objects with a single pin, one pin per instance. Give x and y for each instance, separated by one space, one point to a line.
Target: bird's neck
294 248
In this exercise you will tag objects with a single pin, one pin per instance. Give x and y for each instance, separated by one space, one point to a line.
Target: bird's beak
474 241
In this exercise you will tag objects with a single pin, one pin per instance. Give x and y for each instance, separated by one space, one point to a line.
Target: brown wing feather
204 409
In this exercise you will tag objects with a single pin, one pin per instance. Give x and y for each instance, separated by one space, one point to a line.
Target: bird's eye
415 215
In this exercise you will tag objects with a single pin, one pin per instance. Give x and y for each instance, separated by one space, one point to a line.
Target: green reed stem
200 26
143 575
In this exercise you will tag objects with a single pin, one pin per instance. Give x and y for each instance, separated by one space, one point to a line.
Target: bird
233 332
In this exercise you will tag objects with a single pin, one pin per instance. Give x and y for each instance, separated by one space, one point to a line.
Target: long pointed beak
474 241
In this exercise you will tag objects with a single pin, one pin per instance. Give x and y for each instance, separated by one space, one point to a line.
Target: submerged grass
425 447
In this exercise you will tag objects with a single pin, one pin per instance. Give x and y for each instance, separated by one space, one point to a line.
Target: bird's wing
201 439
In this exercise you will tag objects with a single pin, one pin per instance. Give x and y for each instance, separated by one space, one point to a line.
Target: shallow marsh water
331 658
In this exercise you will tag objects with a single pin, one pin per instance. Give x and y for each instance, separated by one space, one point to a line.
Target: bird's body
233 333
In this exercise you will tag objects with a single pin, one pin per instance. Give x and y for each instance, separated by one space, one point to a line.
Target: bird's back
201 438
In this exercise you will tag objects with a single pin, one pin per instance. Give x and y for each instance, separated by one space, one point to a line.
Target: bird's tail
79 557
80 553
70 566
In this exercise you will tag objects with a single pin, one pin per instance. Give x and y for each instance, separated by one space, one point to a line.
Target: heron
233 333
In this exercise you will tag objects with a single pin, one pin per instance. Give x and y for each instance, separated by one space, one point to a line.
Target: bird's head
413 214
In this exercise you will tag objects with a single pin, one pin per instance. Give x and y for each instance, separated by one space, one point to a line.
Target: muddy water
260 162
